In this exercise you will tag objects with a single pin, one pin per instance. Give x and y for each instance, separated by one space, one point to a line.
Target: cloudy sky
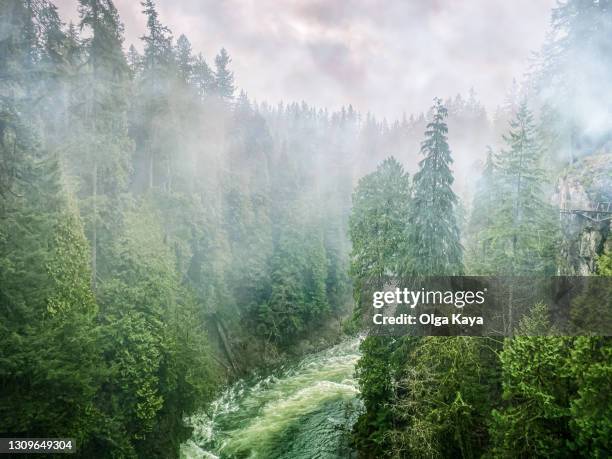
386 57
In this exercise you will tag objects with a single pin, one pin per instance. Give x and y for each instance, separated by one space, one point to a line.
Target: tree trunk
168 176
510 309
150 168
94 233
226 346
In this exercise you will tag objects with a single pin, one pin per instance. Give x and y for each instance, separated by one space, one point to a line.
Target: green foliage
591 367
377 229
377 222
117 371
50 366
130 282
520 234
604 264
447 386
536 423
68 268
528 396
556 391
481 218
223 85
202 77
98 104
373 371
433 242
298 297
194 236
591 422
184 58
393 234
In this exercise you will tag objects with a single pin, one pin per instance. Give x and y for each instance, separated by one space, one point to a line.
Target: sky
387 57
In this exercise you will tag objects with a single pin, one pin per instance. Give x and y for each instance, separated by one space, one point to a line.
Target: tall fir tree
377 230
184 58
203 77
134 60
154 98
224 78
485 199
99 102
434 246
522 226
377 224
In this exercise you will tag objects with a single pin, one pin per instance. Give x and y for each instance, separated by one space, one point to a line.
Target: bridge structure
601 213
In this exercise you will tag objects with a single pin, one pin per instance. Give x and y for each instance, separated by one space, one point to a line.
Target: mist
387 60
193 192
388 63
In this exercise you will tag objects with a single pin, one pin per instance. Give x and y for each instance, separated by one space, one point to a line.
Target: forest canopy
163 234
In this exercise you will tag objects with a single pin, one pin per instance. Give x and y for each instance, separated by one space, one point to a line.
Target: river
303 410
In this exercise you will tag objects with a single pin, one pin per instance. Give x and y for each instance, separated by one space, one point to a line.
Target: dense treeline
101 339
526 396
157 234
160 231
460 396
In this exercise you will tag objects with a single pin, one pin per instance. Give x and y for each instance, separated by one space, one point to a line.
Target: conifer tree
123 365
203 78
158 68
284 315
184 58
591 421
297 298
100 107
51 367
434 247
224 78
483 206
157 41
377 223
537 386
16 137
53 68
142 302
522 227
441 416
134 60
377 230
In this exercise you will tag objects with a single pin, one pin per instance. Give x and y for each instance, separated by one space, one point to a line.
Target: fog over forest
195 198
386 59
388 63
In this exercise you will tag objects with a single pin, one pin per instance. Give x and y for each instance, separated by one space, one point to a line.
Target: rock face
583 186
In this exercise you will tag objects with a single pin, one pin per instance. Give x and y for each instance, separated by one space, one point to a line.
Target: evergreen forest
164 236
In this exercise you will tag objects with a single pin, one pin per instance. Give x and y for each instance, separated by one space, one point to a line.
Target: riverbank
239 355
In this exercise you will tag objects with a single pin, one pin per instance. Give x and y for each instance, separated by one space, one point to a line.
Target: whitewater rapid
301 411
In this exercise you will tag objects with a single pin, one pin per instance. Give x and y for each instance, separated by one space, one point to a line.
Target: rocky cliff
584 188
